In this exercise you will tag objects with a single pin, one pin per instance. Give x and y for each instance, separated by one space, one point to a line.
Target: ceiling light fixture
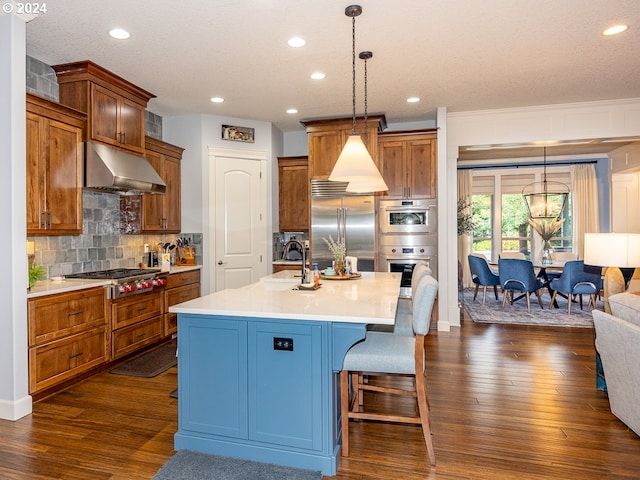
355 164
292 110
217 99
119 33
614 30
318 75
413 99
545 200
296 42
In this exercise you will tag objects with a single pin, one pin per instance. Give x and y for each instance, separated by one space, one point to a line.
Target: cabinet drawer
174 296
128 339
58 316
127 311
179 279
60 360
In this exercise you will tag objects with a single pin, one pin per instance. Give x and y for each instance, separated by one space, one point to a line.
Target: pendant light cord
353 73
366 131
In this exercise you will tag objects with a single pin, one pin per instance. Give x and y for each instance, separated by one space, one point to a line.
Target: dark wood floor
507 402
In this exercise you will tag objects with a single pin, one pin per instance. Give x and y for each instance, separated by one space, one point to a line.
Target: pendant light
545 200
355 165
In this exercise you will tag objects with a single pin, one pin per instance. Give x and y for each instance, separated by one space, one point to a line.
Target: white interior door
625 198
239 224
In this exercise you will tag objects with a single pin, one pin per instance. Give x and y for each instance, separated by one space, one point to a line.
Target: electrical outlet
285 344
306 244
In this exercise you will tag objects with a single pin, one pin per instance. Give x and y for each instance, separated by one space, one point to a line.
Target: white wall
614 118
15 401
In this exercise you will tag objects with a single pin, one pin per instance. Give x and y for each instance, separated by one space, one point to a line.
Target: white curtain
585 205
465 242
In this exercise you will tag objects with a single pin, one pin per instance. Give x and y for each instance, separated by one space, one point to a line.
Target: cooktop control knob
393 250
422 250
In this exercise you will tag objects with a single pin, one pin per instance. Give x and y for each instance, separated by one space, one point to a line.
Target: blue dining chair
575 281
517 275
482 276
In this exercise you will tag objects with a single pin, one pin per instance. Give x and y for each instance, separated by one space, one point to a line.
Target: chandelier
545 200
354 164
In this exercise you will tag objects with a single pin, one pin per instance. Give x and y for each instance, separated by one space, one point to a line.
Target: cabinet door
131 126
391 158
35 173
152 204
104 115
64 177
171 200
324 149
212 373
293 198
285 386
421 169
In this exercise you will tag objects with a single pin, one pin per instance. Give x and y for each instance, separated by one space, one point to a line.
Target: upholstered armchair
517 275
482 276
575 281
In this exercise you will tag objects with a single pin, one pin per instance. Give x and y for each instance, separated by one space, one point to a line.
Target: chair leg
504 297
475 292
569 300
539 299
344 411
425 420
495 290
553 297
528 301
484 294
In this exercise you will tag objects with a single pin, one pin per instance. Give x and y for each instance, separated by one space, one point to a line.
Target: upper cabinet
54 168
115 107
327 137
293 194
408 163
161 213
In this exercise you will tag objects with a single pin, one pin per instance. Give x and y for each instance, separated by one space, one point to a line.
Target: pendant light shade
545 200
354 164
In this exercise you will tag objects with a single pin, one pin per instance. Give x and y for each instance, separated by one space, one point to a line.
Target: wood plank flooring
507 402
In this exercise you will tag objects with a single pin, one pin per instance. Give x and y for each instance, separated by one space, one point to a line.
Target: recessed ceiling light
292 110
615 30
297 42
119 33
217 99
413 99
317 75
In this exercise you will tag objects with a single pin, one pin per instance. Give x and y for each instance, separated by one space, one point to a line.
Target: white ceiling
462 54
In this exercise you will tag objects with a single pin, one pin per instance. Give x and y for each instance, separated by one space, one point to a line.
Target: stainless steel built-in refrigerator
339 214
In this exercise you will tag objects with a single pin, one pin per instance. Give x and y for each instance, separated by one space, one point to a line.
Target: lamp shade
373 184
356 165
612 249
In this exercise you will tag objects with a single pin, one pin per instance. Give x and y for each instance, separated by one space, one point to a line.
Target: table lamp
614 251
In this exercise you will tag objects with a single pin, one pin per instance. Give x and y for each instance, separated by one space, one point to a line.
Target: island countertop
371 299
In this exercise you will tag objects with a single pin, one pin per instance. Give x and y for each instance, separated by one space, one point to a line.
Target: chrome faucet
304 256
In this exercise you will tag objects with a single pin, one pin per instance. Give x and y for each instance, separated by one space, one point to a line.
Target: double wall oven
407 235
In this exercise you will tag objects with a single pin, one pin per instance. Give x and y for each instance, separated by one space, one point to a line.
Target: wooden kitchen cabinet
114 107
293 194
161 212
54 168
181 287
136 321
327 137
408 163
68 335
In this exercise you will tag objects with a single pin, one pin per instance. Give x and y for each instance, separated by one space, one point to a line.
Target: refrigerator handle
342 223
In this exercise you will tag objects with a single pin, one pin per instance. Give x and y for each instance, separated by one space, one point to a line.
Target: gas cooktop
115 273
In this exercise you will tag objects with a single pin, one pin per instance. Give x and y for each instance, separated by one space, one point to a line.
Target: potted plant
36 272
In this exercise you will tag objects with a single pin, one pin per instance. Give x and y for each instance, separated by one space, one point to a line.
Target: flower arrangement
338 249
547 229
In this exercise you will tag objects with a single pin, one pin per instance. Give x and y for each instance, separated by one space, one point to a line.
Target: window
500 215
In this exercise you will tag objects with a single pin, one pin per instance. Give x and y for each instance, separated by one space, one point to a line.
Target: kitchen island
258 365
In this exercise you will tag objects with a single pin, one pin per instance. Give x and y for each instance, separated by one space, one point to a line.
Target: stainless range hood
115 171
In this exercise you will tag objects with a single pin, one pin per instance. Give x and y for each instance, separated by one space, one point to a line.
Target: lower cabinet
136 321
259 382
68 335
181 287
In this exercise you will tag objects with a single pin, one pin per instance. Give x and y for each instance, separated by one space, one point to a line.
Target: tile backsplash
101 246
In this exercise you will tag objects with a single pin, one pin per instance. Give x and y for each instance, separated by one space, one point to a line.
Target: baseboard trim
17 409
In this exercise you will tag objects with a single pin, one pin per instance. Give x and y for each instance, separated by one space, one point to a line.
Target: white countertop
63 285
370 299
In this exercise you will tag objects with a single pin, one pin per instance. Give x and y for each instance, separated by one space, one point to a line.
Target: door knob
220 262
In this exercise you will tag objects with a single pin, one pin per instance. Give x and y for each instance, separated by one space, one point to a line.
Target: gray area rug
492 312
150 364
188 465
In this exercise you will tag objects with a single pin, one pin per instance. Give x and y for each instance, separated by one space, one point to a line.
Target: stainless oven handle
407 209
409 259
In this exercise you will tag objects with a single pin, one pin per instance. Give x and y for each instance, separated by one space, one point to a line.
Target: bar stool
390 354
